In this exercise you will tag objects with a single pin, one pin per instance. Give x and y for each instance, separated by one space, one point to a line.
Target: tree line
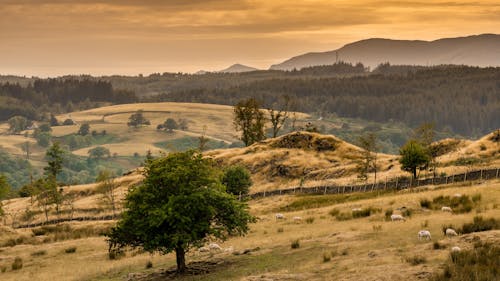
465 100
36 99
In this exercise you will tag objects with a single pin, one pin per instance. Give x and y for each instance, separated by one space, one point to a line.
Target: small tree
53 120
55 157
4 187
106 188
43 139
278 114
170 125
249 119
203 140
18 124
237 180
180 204
368 143
413 157
68 122
99 152
137 119
84 129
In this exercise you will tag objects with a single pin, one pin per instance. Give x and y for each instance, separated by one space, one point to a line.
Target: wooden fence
393 184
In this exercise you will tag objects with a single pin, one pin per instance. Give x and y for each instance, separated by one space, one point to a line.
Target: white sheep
297 219
450 232
395 217
280 216
455 249
446 209
424 234
214 246
457 195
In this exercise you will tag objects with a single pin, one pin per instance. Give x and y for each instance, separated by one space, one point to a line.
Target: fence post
264 193
497 174
481 175
385 185
325 190
465 177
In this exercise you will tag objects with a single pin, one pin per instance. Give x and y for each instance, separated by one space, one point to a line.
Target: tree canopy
249 119
413 156
181 204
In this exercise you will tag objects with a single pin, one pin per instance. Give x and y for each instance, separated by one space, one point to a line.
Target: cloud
79 32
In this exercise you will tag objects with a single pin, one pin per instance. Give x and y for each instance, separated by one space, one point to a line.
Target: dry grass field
368 248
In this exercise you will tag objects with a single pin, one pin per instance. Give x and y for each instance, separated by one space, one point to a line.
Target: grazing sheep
280 216
446 209
455 249
297 219
450 232
397 218
214 246
424 234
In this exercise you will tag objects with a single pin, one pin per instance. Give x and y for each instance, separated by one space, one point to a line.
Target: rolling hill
478 50
238 68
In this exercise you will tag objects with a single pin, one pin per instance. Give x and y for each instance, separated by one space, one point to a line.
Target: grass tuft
416 260
295 244
17 264
70 250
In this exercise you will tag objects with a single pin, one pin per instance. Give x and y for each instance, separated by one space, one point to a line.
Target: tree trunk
180 259
414 173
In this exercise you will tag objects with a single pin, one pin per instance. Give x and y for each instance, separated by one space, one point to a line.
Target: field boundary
398 183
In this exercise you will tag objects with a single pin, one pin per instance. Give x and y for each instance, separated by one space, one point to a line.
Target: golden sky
56 37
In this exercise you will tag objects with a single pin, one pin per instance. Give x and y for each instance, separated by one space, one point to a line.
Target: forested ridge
56 96
464 99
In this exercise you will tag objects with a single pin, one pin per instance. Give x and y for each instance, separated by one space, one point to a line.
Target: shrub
237 180
310 220
116 254
416 260
388 214
361 213
70 250
476 197
39 253
17 264
295 244
438 246
407 213
345 252
425 203
38 231
343 216
280 229
327 257
149 264
480 263
479 224
334 212
483 147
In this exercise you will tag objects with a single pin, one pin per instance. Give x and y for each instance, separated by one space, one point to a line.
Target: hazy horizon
49 38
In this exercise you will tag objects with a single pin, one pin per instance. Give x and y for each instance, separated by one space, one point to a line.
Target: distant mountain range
478 50
237 68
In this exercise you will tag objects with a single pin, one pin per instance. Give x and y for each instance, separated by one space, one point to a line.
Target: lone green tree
413 156
237 180
278 114
18 124
171 125
180 204
99 152
250 120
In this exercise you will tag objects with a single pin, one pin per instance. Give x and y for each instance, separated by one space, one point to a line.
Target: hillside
238 68
329 247
310 159
479 50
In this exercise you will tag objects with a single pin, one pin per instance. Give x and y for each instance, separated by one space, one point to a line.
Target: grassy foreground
324 248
